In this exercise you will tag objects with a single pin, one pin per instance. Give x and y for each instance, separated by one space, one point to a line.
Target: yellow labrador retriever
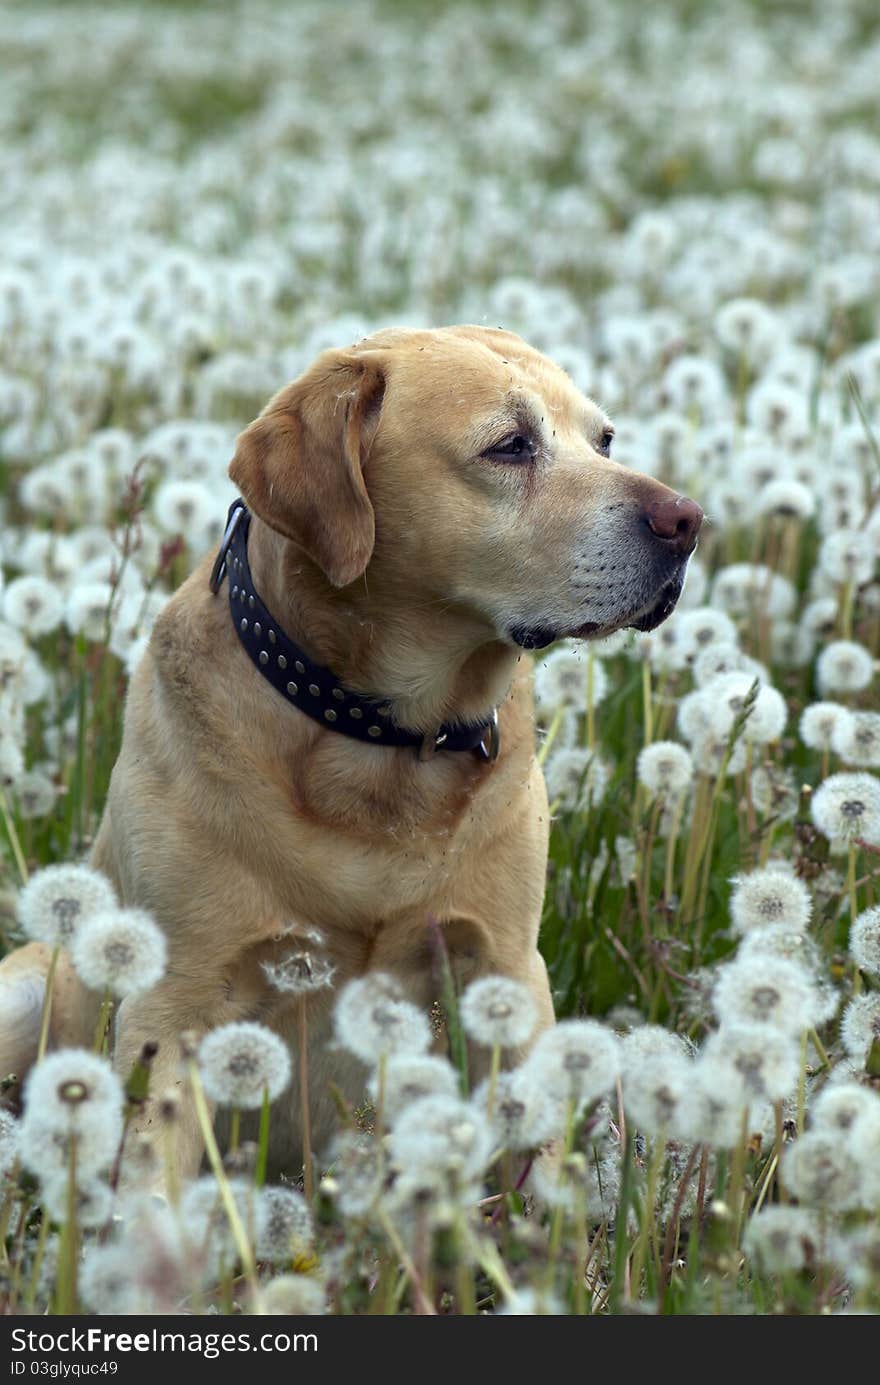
333 726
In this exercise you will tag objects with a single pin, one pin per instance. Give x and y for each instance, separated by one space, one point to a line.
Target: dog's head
462 467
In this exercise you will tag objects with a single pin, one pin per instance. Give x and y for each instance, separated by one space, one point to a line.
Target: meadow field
677 202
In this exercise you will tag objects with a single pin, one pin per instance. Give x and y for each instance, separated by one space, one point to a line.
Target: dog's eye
516 448
604 443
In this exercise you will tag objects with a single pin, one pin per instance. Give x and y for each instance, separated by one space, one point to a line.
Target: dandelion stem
14 842
235 1223
47 1003
306 1117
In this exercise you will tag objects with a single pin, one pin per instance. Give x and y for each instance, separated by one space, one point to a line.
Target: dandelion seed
523 1116
576 1062
856 739
283 1225
374 1021
495 1010
819 723
561 679
238 1062
819 1170
751 1062
782 1239
441 1139
304 970
296 1295
71 1095
848 556
55 901
33 605
93 1201
655 1090
844 667
847 806
769 896
727 696
776 993
8 1141
575 778
122 951
844 1108
864 941
860 1025
665 768
408 1079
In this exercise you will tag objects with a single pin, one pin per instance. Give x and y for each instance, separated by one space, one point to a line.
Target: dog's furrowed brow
518 413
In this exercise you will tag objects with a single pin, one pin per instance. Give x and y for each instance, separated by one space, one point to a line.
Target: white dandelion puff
846 806
864 940
408 1079
441 1136
238 1062
769 896
375 1021
576 1062
496 1010
860 1025
665 768
819 1170
55 901
782 1239
820 722
856 739
123 951
568 677
843 667
283 1225
773 992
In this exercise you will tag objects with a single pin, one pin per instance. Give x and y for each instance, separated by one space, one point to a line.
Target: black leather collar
308 686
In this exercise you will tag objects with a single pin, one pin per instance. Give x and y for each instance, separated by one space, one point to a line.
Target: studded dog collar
308 686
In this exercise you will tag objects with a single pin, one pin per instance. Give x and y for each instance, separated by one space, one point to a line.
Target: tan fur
397 555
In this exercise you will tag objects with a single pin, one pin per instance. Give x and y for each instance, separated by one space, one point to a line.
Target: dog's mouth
644 618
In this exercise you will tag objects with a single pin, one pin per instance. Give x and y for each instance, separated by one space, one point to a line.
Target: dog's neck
432 661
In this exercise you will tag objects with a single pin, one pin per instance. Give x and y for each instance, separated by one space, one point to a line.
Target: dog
421 508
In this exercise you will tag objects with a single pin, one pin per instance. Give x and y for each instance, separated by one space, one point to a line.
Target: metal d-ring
218 571
494 739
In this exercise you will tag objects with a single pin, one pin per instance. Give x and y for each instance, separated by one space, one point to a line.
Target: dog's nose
677 520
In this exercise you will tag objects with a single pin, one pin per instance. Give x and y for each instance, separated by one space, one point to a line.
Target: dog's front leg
159 1017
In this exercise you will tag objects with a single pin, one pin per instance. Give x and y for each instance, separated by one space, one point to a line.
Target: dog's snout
677 520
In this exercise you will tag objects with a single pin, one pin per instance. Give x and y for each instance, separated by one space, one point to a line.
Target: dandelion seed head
283 1225
408 1079
782 1239
122 951
665 768
374 1020
238 1062
769 896
864 940
576 1062
846 806
844 667
497 1010
860 1025
56 900
297 1295
768 990
441 1138
819 1170
820 721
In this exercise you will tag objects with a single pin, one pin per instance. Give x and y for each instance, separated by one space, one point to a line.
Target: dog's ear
300 465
